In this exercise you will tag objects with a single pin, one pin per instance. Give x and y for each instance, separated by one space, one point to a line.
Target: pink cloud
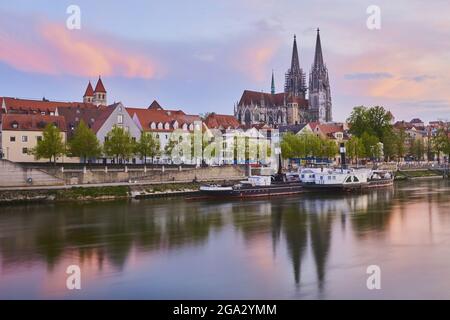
57 50
253 58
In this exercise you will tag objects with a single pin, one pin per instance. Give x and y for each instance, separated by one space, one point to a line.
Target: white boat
308 175
348 179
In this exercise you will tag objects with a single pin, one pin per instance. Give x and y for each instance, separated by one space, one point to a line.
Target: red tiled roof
147 116
100 87
94 117
270 100
30 122
15 105
221 121
89 91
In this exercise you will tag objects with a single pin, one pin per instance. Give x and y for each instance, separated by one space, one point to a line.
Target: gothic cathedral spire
295 84
319 87
272 87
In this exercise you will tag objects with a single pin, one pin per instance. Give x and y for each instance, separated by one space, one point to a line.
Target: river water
312 246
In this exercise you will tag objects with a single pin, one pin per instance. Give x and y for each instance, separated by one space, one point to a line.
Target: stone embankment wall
151 175
14 175
19 175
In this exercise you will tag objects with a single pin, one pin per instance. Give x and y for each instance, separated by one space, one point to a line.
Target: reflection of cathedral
291 106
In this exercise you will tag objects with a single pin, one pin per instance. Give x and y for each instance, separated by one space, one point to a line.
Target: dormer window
167 126
14 125
191 127
160 126
185 126
152 125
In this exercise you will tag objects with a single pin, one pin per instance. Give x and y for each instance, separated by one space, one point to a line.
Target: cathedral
291 106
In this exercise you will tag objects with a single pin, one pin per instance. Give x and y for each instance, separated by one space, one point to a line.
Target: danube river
303 247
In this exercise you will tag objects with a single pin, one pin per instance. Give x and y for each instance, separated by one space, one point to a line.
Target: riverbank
417 174
95 193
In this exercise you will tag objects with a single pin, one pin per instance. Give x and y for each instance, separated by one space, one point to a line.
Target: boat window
349 179
321 177
355 179
334 177
303 176
329 177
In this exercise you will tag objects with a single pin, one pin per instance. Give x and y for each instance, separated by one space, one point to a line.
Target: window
39 138
24 138
167 126
355 179
24 150
153 125
120 118
106 139
349 179
12 139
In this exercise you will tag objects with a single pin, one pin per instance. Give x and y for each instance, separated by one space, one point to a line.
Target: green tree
51 146
400 141
84 143
375 121
371 146
147 146
118 144
441 143
327 148
417 149
355 148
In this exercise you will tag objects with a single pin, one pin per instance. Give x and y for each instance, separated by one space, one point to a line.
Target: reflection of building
291 106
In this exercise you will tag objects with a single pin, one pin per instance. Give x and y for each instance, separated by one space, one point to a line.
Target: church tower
89 94
99 94
295 84
272 87
319 87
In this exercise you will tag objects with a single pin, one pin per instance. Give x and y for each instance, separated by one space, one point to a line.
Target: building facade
292 106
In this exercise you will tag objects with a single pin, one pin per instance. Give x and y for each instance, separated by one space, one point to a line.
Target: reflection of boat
254 186
348 179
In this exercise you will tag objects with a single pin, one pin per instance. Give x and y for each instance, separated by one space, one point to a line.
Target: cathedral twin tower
291 106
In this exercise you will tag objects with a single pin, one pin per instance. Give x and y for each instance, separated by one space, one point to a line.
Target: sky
200 55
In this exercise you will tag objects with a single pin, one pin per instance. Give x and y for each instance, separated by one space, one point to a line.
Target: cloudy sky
200 55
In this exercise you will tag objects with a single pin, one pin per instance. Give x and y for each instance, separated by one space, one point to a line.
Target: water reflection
303 230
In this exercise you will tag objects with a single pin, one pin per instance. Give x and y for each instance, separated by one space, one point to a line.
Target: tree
51 146
417 149
118 144
400 140
375 121
328 148
441 143
84 143
371 145
147 146
355 148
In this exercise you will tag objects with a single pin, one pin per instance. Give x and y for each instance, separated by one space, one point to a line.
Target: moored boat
254 186
349 179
